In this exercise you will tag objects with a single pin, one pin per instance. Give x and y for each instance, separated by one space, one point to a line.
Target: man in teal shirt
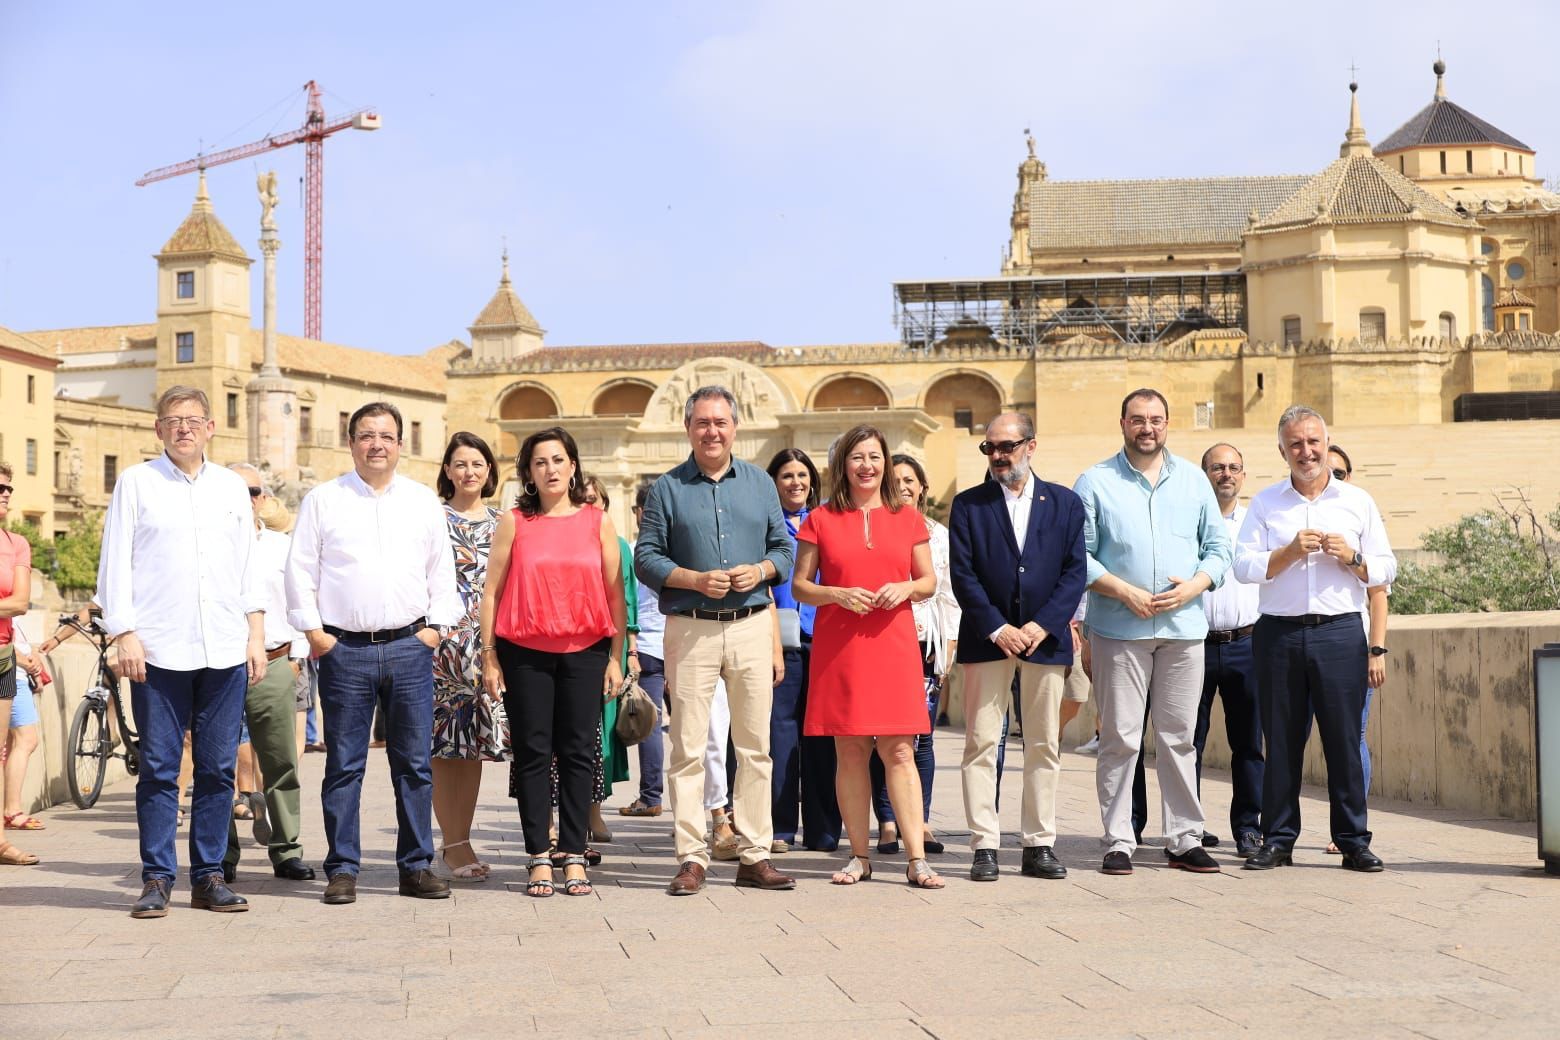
1155 541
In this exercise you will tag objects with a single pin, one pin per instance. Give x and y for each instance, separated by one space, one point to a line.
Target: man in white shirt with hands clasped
177 584
1313 544
370 577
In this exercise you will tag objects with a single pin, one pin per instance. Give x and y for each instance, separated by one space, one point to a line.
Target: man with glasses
1016 562
1313 544
370 580
1155 543
180 592
271 705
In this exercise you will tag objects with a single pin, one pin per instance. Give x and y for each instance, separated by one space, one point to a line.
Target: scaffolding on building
1027 312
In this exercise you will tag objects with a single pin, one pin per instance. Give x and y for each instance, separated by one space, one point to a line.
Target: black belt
731 614
1310 620
1228 635
384 635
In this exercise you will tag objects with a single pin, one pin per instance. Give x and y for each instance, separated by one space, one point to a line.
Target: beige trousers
988 689
697 654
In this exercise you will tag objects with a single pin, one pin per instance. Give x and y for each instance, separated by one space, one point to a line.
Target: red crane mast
316 127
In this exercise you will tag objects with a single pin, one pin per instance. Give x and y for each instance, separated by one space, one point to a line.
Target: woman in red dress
861 560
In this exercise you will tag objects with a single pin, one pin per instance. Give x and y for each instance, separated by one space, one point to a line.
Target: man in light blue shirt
1155 541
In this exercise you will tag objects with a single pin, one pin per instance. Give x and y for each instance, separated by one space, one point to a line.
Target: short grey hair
706 393
1297 413
176 394
1026 425
247 467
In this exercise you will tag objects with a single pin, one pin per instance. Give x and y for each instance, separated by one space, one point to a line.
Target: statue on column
266 183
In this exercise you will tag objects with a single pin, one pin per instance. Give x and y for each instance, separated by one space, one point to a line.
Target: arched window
624 398
527 402
1373 325
1487 288
849 392
1448 325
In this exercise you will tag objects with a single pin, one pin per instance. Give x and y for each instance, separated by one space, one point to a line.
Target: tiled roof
96 338
1070 215
505 309
1443 122
1356 189
1511 297
673 354
202 232
22 344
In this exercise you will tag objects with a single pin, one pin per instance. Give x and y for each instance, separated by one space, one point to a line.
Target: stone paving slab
1460 937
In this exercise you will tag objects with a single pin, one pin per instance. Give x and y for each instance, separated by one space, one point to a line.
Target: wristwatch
1379 651
1357 560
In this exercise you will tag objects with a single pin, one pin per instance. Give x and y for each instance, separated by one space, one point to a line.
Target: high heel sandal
856 871
579 886
475 871
919 875
539 888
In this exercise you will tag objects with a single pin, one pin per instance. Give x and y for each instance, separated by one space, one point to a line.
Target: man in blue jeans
650 655
370 580
176 584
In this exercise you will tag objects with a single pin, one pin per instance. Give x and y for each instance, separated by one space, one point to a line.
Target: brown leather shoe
424 884
689 879
341 890
763 875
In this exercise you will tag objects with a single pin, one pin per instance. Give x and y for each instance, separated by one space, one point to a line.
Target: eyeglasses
369 437
1232 468
1341 474
1158 422
183 422
6 489
256 492
1002 447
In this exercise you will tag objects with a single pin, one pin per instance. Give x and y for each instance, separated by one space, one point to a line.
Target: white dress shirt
271 571
937 619
177 566
365 562
1233 604
1018 505
1318 584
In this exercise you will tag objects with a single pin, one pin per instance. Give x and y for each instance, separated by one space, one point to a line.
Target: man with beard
1155 543
1016 561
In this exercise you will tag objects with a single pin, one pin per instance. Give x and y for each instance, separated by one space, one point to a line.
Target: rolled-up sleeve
1380 560
1093 569
1251 551
114 591
652 557
303 567
1215 548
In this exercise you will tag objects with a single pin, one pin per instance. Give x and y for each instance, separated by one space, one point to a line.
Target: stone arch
759 397
527 400
963 398
849 390
622 397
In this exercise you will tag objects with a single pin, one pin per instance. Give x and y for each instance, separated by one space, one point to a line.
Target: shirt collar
699 474
1332 489
1027 493
1166 466
356 482
168 467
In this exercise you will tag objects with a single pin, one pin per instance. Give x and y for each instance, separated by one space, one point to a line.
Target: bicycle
92 732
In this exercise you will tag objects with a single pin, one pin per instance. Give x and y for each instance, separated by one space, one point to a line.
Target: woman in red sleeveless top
553 624
861 559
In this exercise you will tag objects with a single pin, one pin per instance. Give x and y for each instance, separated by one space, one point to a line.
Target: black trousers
1229 672
1300 670
553 702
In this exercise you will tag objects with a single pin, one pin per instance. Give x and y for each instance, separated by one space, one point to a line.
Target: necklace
866 527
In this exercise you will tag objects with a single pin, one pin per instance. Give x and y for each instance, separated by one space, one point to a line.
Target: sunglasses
1341 474
6 489
256 492
1002 447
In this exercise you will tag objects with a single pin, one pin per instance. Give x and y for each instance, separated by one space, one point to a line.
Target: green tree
1505 558
76 553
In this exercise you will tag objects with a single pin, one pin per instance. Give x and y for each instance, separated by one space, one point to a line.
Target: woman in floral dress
468 728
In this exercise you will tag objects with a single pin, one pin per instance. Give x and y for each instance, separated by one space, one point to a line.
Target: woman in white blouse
937 627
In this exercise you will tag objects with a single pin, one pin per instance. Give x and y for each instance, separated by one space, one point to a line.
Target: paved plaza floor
1458 938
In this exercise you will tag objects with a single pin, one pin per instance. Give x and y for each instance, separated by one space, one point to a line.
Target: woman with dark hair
468 728
937 630
803 766
862 559
553 628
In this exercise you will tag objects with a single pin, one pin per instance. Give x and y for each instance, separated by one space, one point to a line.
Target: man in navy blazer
1016 554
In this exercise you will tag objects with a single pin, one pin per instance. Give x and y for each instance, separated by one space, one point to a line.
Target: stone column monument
273 400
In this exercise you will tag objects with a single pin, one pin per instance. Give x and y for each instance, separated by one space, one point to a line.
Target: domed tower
505 329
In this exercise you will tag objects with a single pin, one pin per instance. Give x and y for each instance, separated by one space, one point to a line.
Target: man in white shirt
1228 667
1313 544
270 705
178 588
370 577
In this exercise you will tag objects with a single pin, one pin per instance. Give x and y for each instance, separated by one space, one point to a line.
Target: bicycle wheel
89 747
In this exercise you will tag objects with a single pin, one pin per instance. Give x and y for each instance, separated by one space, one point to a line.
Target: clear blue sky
675 171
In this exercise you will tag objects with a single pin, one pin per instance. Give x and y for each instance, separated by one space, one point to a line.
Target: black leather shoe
1195 859
341 890
1210 840
293 870
1270 856
1116 863
1041 862
229 873
1363 860
1247 843
212 893
153 901
985 866
424 884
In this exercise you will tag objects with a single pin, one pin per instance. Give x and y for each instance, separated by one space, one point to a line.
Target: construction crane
316 127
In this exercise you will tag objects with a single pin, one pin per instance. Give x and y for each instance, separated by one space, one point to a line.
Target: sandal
638 808
29 822
919 875
856 870
578 886
476 871
539 888
11 856
241 810
592 857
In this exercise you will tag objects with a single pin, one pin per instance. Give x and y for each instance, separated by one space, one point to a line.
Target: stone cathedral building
1408 290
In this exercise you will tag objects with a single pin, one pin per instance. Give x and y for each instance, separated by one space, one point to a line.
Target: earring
574 482
529 489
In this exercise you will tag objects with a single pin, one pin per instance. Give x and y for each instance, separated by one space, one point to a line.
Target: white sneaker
1091 748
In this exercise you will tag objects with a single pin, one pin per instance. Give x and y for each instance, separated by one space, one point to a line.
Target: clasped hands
1309 540
1020 642
742 578
863 601
1147 604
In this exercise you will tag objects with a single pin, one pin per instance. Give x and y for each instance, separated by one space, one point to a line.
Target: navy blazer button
1021 570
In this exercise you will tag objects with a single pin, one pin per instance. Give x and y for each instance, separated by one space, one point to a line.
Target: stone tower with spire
505 329
1030 172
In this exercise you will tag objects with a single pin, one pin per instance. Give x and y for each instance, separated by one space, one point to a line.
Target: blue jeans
1370 691
353 679
208 702
652 750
